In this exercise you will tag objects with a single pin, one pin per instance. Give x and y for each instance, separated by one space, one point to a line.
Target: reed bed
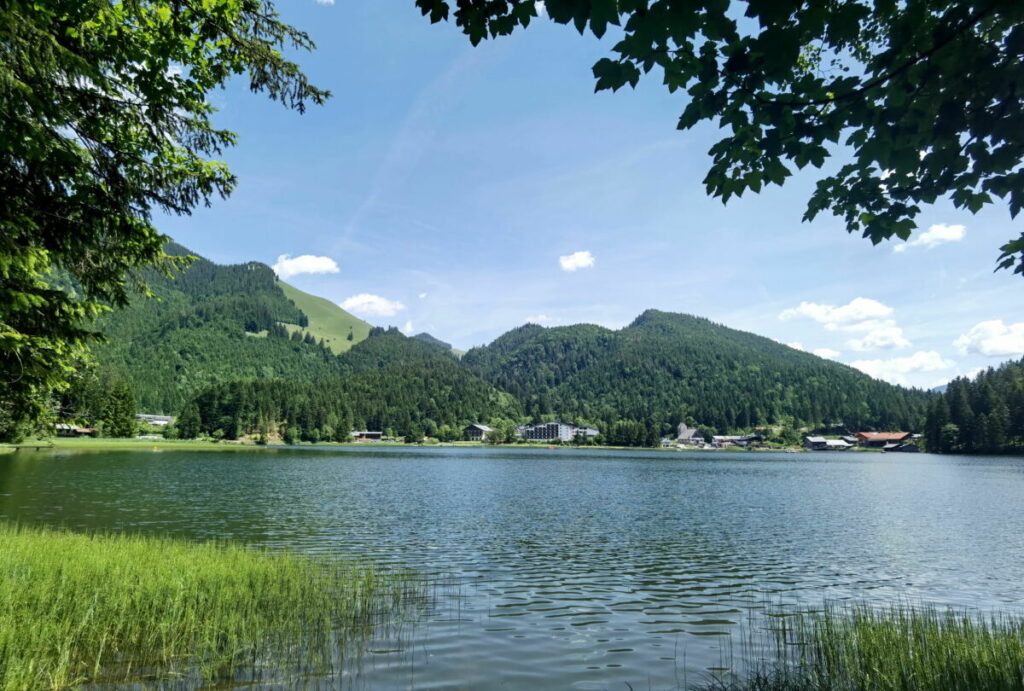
82 609
899 648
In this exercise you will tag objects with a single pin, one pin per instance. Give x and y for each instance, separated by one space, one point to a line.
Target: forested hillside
983 415
389 382
209 324
665 368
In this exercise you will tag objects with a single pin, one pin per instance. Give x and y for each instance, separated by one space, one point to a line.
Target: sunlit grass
109 608
901 648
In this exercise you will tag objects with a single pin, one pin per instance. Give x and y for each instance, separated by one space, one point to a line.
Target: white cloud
848 317
884 336
371 305
539 319
992 338
938 234
796 345
576 260
325 2
422 296
288 266
894 369
827 353
408 328
541 8
862 315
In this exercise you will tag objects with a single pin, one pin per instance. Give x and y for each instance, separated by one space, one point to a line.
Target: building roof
837 443
482 428
685 432
882 436
815 440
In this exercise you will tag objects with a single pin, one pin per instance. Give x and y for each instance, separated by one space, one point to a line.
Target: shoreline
103 444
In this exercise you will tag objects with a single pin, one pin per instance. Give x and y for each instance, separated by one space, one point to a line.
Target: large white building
549 431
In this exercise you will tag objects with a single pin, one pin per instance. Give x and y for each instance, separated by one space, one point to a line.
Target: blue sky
442 185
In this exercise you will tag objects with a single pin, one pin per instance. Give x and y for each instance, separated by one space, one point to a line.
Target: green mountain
338 329
210 324
665 368
241 351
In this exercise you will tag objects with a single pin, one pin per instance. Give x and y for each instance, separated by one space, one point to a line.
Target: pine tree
118 417
188 422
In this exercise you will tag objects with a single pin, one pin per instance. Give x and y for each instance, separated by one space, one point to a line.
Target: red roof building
880 439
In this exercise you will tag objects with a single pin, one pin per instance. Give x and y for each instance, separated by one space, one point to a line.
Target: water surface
573 569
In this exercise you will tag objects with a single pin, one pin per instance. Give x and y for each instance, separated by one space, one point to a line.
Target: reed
79 609
899 648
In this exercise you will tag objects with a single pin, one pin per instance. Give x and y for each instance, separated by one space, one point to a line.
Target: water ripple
572 569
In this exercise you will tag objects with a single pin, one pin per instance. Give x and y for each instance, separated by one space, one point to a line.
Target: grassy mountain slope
665 368
327 321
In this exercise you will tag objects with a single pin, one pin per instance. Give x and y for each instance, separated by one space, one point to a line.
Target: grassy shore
80 609
902 648
105 444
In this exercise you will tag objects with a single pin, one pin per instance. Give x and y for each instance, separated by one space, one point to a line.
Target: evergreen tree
106 119
980 416
188 422
118 417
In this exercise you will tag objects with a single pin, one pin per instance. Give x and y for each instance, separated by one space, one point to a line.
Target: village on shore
560 432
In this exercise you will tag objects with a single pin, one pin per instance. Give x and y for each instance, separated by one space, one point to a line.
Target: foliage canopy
927 95
104 117
983 415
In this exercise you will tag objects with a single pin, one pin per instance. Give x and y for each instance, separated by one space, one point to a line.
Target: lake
569 568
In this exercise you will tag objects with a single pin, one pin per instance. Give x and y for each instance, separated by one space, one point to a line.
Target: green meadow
83 609
326 320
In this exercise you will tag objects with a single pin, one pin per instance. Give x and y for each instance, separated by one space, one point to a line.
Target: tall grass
78 609
900 648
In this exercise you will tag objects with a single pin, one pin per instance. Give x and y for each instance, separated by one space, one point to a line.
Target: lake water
573 569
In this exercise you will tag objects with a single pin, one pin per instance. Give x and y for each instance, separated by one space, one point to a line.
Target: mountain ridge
214 325
670 368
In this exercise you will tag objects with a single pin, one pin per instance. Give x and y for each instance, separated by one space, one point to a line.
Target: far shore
108 444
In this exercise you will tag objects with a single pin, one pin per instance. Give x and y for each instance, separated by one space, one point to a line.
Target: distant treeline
983 415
